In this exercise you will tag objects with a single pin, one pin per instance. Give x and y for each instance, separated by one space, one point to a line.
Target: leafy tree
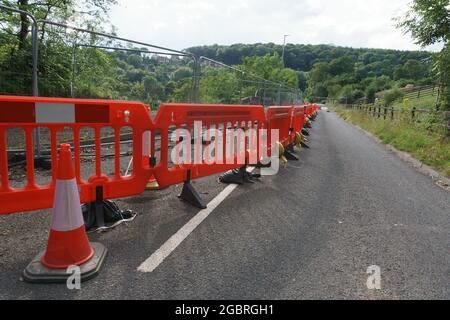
428 21
219 86
329 67
92 11
370 93
182 73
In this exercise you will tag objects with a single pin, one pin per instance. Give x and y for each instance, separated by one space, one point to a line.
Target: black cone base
36 272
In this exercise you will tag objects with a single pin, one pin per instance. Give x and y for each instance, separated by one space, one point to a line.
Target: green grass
431 148
427 100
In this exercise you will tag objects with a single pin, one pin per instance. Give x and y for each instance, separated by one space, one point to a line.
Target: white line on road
170 245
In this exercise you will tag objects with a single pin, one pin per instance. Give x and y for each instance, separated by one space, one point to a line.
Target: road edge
440 180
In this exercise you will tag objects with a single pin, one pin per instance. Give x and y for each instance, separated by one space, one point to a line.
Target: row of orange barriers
151 141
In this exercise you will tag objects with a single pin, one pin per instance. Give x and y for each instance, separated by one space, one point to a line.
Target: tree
370 93
55 69
219 86
341 65
92 11
428 21
182 73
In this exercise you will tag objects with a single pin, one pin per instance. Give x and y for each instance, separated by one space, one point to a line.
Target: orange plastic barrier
298 119
217 118
281 118
30 113
155 143
311 108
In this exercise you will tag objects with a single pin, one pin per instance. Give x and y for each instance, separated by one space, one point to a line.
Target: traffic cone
152 184
68 244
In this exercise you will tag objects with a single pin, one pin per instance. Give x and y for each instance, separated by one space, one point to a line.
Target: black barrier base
239 176
190 195
289 153
305 132
304 145
236 176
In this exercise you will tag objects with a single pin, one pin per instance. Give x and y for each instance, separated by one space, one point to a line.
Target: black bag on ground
111 212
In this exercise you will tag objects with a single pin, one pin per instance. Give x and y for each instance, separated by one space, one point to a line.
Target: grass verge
429 147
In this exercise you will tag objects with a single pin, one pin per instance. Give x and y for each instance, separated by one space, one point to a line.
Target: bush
392 95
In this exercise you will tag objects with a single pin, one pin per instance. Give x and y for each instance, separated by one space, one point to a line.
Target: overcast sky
180 24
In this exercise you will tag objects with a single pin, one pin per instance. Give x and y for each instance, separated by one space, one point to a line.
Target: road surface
311 232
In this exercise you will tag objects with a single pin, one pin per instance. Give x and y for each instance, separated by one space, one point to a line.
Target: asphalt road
310 232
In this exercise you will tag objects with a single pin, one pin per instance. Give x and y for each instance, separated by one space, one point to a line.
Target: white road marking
170 245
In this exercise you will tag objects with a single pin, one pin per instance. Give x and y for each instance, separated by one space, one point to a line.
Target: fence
211 120
79 63
69 118
66 120
436 121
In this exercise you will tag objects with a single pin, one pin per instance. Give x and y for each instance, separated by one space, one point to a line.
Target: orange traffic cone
68 244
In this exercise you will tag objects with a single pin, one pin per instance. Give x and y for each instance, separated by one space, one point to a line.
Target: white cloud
179 24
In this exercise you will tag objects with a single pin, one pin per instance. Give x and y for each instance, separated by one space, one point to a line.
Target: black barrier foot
308 125
290 155
304 145
236 176
305 132
239 176
248 177
251 177
190 195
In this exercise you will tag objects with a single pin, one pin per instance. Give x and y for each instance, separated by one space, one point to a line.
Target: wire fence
81 63
97 65
433 120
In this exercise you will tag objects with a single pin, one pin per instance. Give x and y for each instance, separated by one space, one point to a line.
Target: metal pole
72 84
102 34
279 96
196 81
241 83
284 48
265 96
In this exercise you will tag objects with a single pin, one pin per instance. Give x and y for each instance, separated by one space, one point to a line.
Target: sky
179 24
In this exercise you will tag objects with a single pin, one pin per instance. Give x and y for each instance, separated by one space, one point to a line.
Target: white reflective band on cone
67 215
54 113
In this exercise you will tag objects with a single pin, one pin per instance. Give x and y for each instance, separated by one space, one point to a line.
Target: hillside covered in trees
327 71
